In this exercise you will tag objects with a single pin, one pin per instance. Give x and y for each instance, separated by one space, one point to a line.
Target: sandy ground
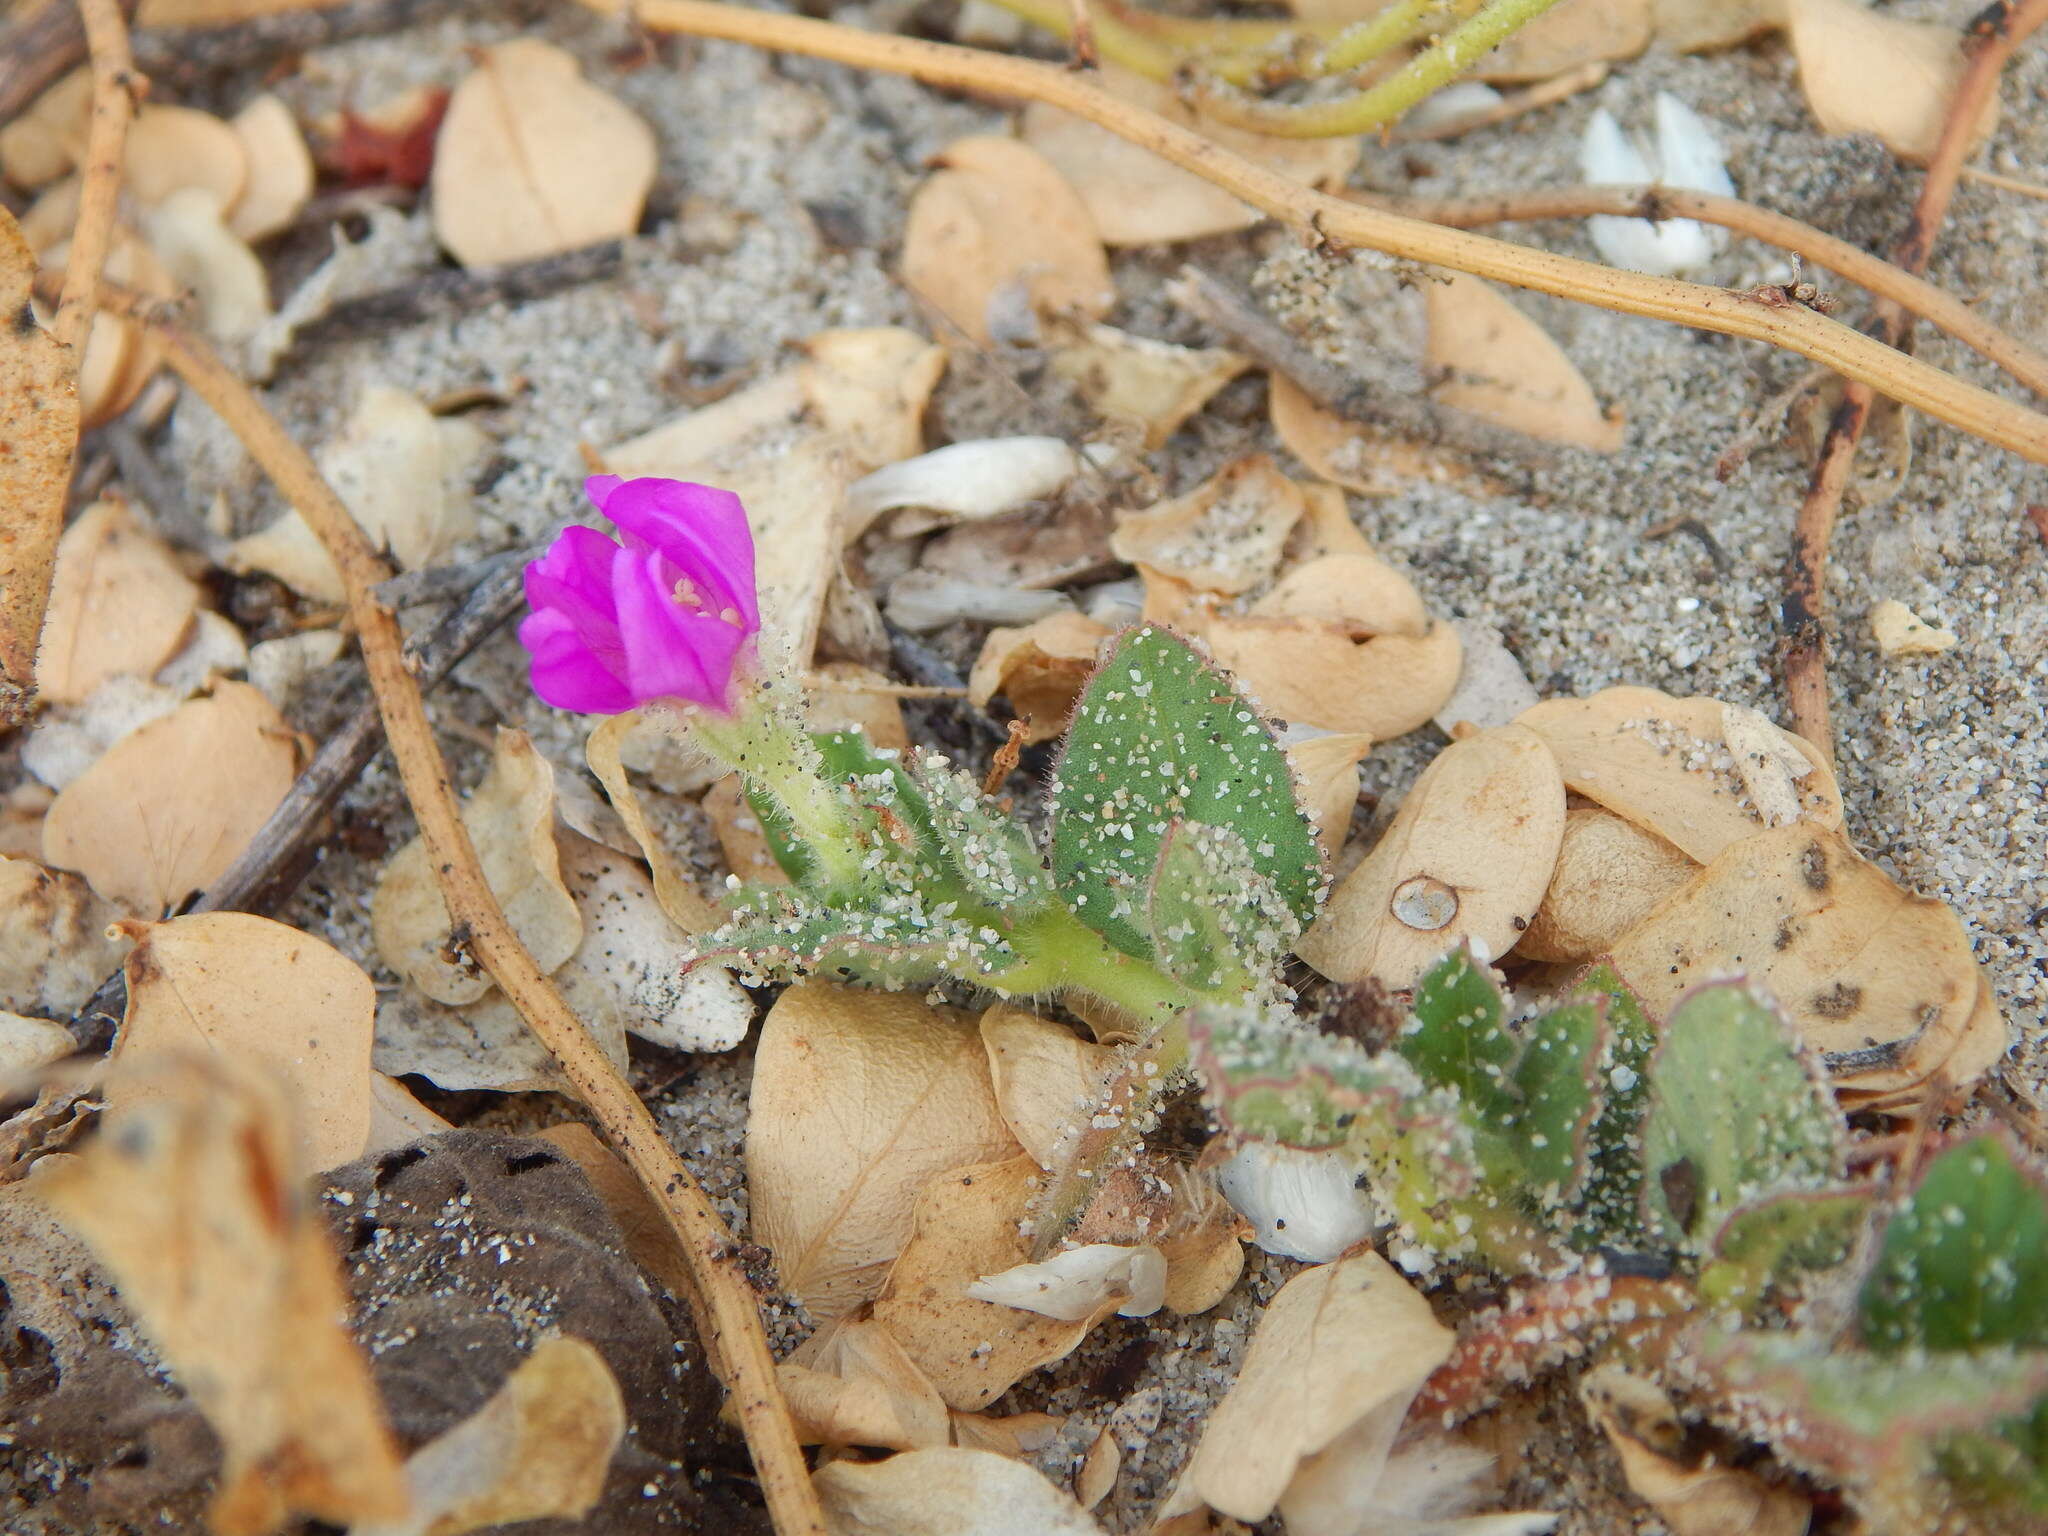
1944 762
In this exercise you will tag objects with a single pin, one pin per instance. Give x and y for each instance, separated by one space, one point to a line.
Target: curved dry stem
723 1303
113 105
1329 220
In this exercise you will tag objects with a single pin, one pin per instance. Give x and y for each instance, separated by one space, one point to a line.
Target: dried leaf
1040 669
249 1319
851 1383
846 696
1876 74
685 906
39 404
946 1491
172 804
392 144
1135 198
1126 378
1358 457
1899 631
859 1099
1326 777
119 356
1314 673
1610 875
982 478
996 239
869 386
27 1045
1016 1435
1857 963
397 1118
120 604
511 821
1467 860
1502 367
1360 592
1099 1467
1303 1203
173 148
533 159
966 1225
280 170
1569 34
189 233
1046 1077
1203 1260
1076 1283
539 1447
1226 535
218 983
1672 766
45 141
1696 26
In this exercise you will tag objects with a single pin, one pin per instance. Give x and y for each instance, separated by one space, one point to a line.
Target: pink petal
702 529
567 673
663 657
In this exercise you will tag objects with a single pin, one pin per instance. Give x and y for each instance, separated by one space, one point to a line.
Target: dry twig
722 1303
1991 39
1335 222
114 83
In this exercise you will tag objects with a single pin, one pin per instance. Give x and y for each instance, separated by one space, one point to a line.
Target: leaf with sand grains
248 988
996 239
511 820
1569 34
1502 367
1467 859
533 159
1866 72
859 1099
1045 1076
54 943
1610 875
1358 457
168 808
538 1448
1226 535
39 404
946 1491
120 604
191 1196
1130 378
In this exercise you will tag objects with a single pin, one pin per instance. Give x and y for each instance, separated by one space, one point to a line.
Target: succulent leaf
1781 1236
1218 922
1458 1035
1609 1206
1557 1080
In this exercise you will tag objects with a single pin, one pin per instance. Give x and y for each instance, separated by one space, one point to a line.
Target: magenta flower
664 614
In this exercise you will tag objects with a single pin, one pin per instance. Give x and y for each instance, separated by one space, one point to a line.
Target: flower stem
771 750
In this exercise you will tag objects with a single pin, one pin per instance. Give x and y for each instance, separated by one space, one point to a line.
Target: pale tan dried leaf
1136 198
397 1118
27 1045
1099 1467
859 1099
1017 1435
1134 378
1203 1261
966 1225
1360 592
52 216
1696 26
1502 367
190 236
170 805
511 821
1610 874
1226 535
1569 34
869 386
1467 860
1040 669
946 1491
66 742
22 809
1353 455
1693 1497
1326 776
1899 631
851 1383
39 407
172 148
1857 962
1667 764
119 356
44 142
1045 1077
846 696
54 945
487 1044
120 603
280 170
1328 528
220 984
1876 74
685 906
1336 1358
250 1320
533 160
1314 673
995 229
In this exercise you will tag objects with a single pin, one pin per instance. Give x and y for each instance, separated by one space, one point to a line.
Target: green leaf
1737 1112
1557 1081
987 852
1610 1209
1161 737
1217 922
1782 1236
1965 1263
1458 1037
782 932
864 778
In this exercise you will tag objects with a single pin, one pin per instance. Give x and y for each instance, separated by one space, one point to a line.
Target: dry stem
1332 221
1991 40
113 103
723 1303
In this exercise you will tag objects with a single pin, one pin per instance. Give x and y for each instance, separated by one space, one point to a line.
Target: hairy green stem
778 755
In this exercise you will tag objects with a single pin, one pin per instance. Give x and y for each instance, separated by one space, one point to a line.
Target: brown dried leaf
1876 74
1099 1467
685 906
1699 773
946 1491
167 809
54 943
533 159
1353 455
1226 535
1040 669
218 983
39 406
1314 673
1016 1435
44 142
120 603
1857 962
1203 1260
171 148
996 239
1045 1077
859 1099
1155 384
966 1225
539 1447
1696 26
1358 591
280 170
1610 874
869 386
1136 198
1572 33
851 1383
1502 367
249 1320
511 821
1467 860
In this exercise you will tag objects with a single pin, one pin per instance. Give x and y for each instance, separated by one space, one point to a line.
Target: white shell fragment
1302 1203
1687 156
1074 1284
